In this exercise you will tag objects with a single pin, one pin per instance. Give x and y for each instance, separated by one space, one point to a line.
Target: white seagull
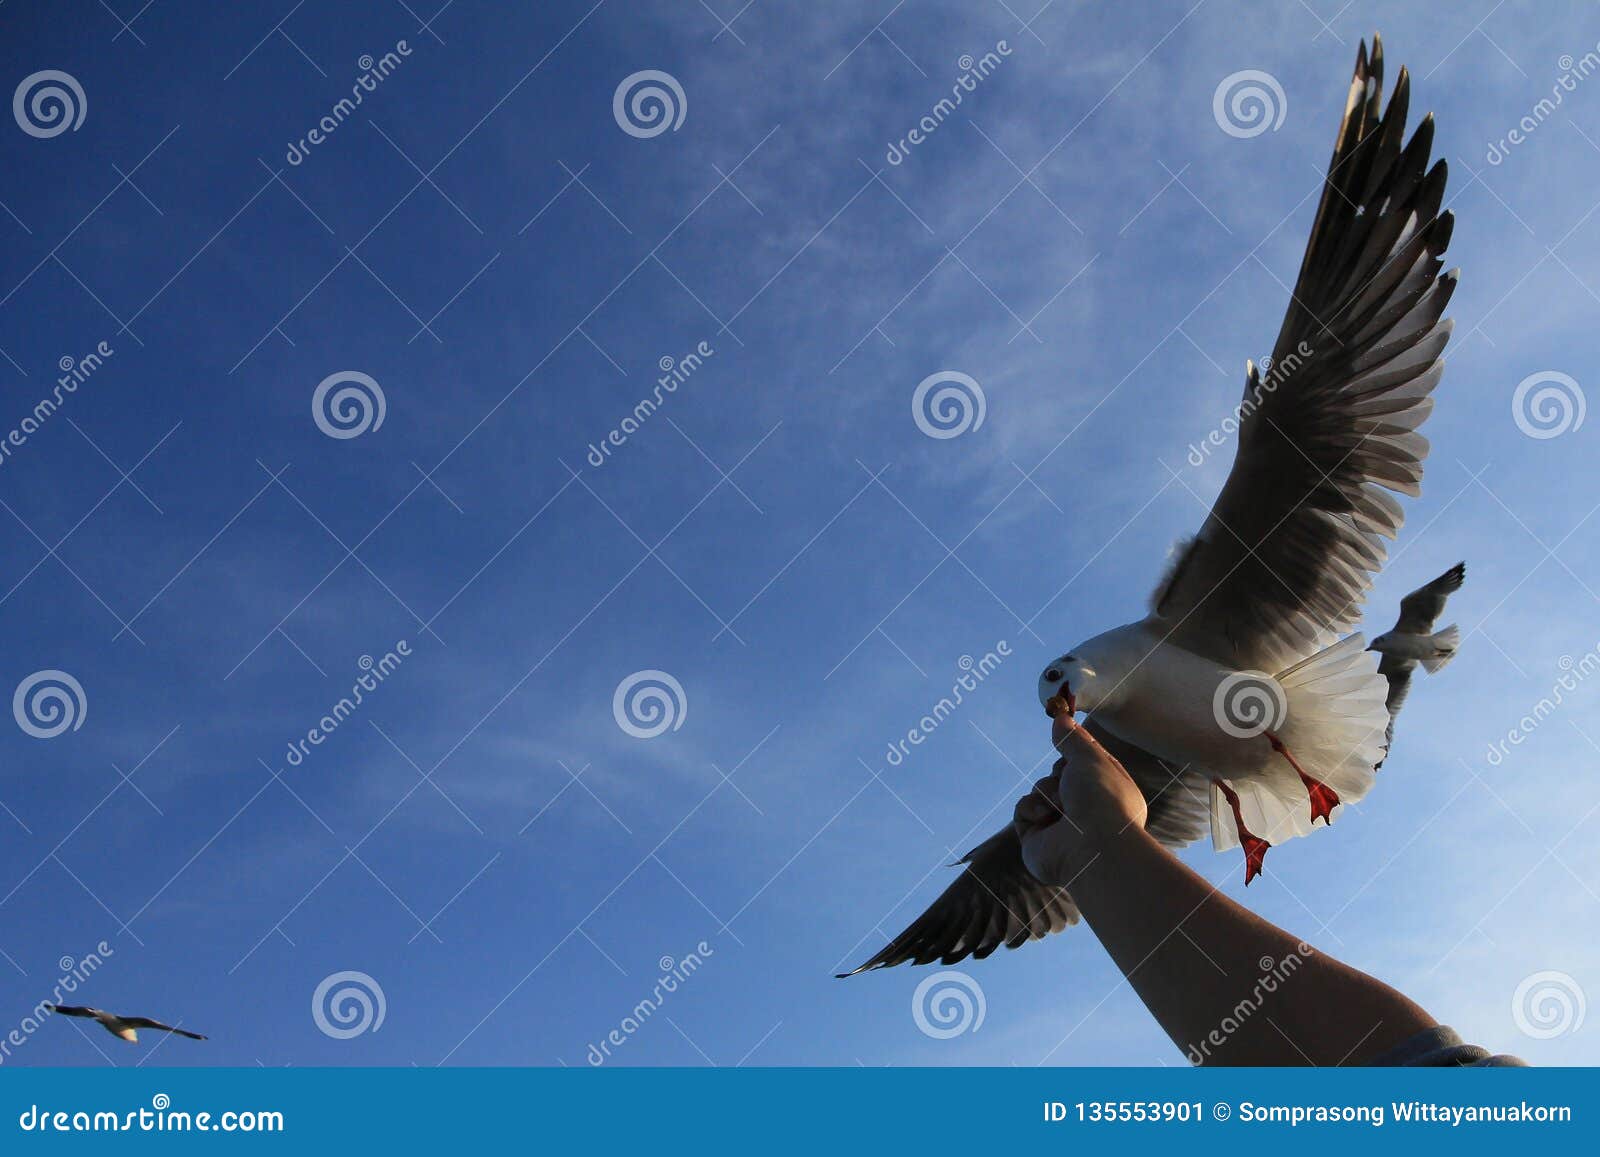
120 1026
1239 703
1413 640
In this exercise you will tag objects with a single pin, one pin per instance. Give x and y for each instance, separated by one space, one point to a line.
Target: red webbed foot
1323 798
1255 848
1255 856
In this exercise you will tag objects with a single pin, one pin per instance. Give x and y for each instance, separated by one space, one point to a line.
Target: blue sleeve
1441 1047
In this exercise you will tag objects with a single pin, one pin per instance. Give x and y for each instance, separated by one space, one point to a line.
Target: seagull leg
1323 798
1255 848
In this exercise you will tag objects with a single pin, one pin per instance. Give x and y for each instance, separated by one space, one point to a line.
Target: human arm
1227 986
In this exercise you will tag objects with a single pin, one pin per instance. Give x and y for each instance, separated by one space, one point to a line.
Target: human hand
1086 799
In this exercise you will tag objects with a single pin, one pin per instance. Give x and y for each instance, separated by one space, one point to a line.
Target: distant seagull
1235 704
121 1026
1413 640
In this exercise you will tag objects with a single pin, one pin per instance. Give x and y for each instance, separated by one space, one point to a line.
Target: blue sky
484 241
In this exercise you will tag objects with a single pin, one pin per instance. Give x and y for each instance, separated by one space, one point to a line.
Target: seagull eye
1052 675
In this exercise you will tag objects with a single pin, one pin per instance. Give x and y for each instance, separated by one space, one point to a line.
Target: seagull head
1064 684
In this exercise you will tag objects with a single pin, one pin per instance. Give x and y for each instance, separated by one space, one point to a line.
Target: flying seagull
1413 640
120 1026
1236 705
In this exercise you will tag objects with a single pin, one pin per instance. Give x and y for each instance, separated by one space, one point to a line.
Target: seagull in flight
1243 704
120 1026
1413 640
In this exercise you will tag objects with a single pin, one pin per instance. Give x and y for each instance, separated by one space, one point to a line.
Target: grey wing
1398 672
146 1022
78 1010
997 901
1285 558
1418 612
1422 607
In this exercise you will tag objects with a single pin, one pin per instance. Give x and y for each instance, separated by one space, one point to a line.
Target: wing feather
996 901
1286 556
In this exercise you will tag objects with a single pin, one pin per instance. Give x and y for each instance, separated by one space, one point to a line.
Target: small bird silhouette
120 1026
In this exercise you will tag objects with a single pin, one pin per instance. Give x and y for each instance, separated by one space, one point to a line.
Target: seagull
120 1026
1413 640
1240 705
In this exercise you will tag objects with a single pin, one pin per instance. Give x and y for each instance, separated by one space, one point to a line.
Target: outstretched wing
1284 560
1422 607
146 1022
75 1010
997 901
1418 612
